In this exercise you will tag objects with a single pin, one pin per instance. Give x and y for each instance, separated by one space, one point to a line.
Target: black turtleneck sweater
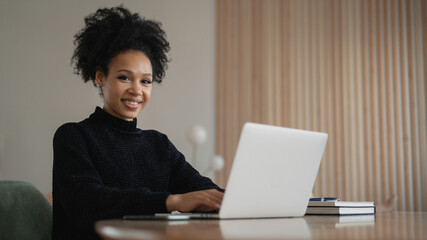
105 167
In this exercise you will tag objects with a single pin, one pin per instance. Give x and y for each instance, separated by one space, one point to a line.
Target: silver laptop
272 176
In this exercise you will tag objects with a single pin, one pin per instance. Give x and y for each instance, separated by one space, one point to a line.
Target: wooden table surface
390 225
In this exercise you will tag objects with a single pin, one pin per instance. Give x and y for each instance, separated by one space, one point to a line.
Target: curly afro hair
110 31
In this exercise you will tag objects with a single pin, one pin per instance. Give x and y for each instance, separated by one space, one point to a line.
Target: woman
105 167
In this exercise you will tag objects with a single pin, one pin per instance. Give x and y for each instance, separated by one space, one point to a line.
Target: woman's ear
99 78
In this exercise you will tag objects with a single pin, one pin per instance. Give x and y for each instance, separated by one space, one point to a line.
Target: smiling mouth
132 103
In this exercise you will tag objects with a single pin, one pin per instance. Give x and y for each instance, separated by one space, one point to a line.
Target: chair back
24 212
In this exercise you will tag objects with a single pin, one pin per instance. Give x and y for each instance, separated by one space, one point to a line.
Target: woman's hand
203 201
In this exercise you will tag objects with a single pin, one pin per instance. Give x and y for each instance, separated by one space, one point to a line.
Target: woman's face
127 87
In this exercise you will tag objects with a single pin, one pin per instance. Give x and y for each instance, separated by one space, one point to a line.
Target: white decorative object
216 164
196 135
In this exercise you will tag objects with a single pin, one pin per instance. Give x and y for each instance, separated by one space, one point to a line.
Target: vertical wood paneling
353 69
322 69
220 96
383 136
390 101
405 107
359 104
414 129
330 162
285 67
421 36
397 106
344 91
351 100
368 157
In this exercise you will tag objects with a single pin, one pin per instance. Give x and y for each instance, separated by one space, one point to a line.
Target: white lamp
196 135
216 164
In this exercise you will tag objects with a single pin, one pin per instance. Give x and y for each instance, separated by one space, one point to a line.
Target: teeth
131 103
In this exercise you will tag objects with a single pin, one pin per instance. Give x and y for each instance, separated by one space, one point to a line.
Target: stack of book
339 208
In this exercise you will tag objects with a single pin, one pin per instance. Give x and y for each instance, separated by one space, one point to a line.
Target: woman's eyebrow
130 72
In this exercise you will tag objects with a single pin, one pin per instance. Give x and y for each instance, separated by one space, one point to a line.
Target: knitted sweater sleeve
184 178
79 189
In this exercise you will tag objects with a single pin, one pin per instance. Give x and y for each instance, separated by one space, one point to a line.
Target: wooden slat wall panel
353 69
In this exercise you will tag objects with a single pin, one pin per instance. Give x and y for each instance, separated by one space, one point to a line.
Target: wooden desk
393 225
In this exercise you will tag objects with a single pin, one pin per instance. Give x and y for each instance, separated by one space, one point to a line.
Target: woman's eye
124 78
146 81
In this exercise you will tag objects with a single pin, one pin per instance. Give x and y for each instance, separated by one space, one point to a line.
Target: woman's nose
136 88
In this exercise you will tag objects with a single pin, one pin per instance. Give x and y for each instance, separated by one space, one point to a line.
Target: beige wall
39 92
